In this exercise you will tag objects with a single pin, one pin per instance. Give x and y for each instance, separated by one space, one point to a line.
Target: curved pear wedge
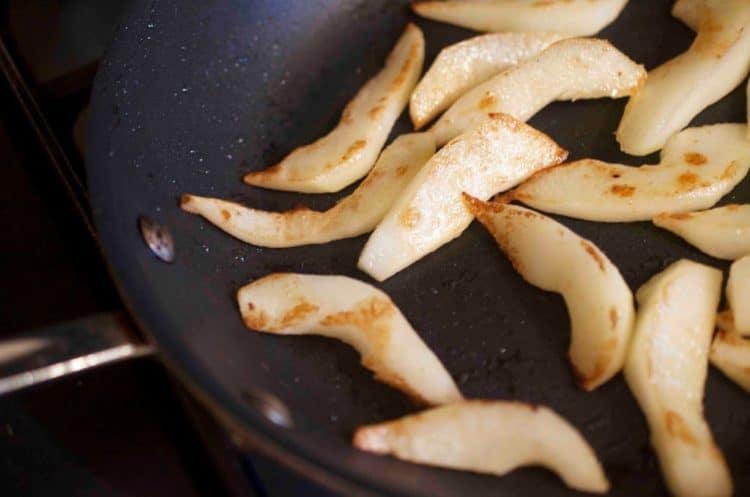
678 90
571 69
738 294
698 166
492 437
572 17
730 352
550 256
486 160
460 67
348 152
357 314
666 371
723 232
354 215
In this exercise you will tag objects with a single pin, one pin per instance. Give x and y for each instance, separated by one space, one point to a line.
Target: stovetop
125 429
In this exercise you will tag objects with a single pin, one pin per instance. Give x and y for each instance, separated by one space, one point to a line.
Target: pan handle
41 355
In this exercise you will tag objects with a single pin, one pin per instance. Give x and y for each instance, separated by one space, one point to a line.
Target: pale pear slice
730 352
738 294
492 437
698 166
348 152
486 160
460 67
355 313
722 232
675 92
354 215
552 257
666 371
572 69
689 12
572 17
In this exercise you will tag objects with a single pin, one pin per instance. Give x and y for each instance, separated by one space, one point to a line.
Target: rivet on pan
269 406
157 238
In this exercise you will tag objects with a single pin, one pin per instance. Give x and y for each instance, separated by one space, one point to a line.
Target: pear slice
698 166
582 68
486 160
690 12
354 215
723 232
460 67
666 371
552 257
348 152
730 352
492 437
355 313
675 92
738 294
572 17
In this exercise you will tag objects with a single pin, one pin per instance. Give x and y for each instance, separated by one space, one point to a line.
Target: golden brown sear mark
613 317
371 317
695 158
405 68
594 254
353 149
730 171
677 428
488 101
297 314
226 214
622 190
256 320
401 170
587 381
680 216
410 217
687 180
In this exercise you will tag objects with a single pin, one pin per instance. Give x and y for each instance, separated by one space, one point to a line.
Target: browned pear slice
666 371
738 294
460 67
722 232
348 152
552 257
354 215
572 17
730 352
492 437
355 313
675 92
698 166
582 68
486 160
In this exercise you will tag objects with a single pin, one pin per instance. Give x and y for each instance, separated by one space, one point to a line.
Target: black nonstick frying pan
194 94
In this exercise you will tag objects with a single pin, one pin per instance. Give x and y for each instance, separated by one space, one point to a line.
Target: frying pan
195 93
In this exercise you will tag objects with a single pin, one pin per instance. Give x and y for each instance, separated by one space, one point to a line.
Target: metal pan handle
42 355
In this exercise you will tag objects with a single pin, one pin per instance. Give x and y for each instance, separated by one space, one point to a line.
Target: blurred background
126 429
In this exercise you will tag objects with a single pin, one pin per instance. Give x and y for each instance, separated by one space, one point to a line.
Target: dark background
124 430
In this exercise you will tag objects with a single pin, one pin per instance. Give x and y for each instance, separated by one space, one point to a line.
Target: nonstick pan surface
193 94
